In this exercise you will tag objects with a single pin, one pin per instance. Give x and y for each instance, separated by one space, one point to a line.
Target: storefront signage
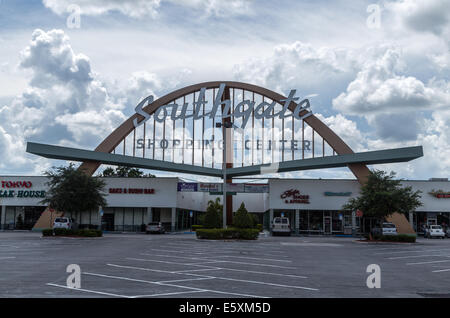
243 109
256 188
337 194
440 194
294 196
131 191
187 187
209 187
5 191
16 184
21 194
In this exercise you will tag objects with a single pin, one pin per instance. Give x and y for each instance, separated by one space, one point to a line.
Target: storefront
314 206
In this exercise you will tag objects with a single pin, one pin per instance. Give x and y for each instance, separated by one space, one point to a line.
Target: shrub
60 231
47 232
229 233
89 233
196 227
213 215
242 219
397 238
69 232
259 227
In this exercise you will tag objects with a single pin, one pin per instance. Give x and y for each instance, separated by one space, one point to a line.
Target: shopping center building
230 132
314 206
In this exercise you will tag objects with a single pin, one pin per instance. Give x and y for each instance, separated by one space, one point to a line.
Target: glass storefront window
303 218
316 221
337 221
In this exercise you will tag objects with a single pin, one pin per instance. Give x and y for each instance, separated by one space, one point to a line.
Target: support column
3 217
270 218
297 221
99 217
411 221
149 215
173 219
353 223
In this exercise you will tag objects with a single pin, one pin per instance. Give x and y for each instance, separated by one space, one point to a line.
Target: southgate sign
243 109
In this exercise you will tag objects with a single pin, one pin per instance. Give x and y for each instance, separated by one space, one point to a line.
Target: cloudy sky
71 71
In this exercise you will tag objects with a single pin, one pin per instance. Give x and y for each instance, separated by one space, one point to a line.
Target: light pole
224 125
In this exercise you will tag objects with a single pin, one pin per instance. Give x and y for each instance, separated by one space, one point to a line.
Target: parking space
134 266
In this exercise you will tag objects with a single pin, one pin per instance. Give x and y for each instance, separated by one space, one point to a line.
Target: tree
71 190
125 172
213 215
242 219
382 196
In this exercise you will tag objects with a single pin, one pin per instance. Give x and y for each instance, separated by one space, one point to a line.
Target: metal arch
360 171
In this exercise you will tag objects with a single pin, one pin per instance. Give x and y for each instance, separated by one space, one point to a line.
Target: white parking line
223 278
7 257
430 262
183 280
257 258
416 251
208 260
208 252
441 270
416 256
88 290
211 268
262 283
171 294
311 244
173 285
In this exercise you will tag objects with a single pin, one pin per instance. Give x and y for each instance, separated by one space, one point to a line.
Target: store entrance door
108 222
327 225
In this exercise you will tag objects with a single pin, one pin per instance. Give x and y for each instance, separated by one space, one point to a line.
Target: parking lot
137 265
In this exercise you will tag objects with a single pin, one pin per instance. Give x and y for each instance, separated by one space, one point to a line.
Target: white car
280 225
63 223
435 231
155 227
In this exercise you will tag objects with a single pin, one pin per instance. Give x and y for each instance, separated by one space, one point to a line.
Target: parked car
64 223
155 227
280 225
435 231
386 228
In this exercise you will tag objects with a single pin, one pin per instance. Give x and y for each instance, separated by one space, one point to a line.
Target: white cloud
422 15
378 88
146 8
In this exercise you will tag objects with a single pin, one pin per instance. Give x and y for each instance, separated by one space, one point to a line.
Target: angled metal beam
74 154
367 158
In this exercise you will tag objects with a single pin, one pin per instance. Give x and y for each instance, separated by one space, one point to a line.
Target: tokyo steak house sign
243 109
19 189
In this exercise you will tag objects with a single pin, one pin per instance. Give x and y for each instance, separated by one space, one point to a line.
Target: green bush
196 227
213 215
229 233
398 238
60 232
47 232
70 232
259 227
242 219
89 233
